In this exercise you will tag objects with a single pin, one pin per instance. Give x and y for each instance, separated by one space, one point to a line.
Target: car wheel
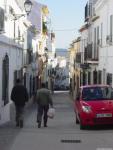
77 121
82 127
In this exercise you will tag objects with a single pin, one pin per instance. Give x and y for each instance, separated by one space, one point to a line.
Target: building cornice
94 18
84 27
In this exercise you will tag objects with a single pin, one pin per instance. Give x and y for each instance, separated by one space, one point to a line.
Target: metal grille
70 141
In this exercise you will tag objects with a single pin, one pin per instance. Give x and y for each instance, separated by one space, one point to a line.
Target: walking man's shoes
45 125
39 125
17 124
21 123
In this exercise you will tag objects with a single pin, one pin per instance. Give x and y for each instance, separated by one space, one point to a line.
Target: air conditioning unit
1 19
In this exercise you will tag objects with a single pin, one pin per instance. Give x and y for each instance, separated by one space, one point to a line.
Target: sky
67 16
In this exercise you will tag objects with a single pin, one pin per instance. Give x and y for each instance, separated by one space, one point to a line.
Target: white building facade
104 25
11 54
97 43
20 43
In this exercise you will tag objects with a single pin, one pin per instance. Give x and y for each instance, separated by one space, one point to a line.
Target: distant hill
61 52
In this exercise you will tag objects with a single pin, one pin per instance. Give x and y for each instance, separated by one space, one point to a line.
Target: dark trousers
42 111
19 113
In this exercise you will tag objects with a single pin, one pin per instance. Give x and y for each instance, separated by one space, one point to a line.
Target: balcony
88 52
91 53
96 52
84 66
78 57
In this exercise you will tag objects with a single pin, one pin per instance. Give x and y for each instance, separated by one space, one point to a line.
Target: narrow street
61 134
63 48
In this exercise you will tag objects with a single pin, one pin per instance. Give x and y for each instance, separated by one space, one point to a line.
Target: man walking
19 96
43 99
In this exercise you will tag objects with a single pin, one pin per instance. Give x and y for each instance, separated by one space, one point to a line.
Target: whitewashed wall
104 9
14 52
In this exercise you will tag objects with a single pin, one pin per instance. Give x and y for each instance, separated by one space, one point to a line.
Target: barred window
5 79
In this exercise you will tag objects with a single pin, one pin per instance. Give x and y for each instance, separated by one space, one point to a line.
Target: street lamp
28 6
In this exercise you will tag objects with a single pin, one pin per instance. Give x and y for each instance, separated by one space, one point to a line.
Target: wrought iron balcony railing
78 57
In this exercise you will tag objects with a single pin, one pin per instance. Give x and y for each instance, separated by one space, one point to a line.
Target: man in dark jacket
19 96
44 99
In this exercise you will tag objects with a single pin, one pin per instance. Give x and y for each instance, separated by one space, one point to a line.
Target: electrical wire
71 29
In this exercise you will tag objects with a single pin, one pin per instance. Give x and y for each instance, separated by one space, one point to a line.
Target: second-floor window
101 34
111 28
96 39
5 79
1 20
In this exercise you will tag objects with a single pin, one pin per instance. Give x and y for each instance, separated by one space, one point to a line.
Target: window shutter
1 19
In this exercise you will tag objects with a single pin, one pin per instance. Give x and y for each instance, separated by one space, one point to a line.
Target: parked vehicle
94 105
60 87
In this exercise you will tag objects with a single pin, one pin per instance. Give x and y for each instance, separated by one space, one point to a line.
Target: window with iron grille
1 19
84 78
99 77
5 79
94 77
109 79
89 77
111 28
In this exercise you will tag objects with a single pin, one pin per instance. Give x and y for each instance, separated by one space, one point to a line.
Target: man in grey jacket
43 99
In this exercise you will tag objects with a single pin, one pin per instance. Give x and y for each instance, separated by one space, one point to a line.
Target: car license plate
104 115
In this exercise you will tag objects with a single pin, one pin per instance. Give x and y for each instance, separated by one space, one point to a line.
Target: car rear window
97 93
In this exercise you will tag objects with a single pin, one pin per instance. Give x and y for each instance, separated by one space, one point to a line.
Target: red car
94 105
